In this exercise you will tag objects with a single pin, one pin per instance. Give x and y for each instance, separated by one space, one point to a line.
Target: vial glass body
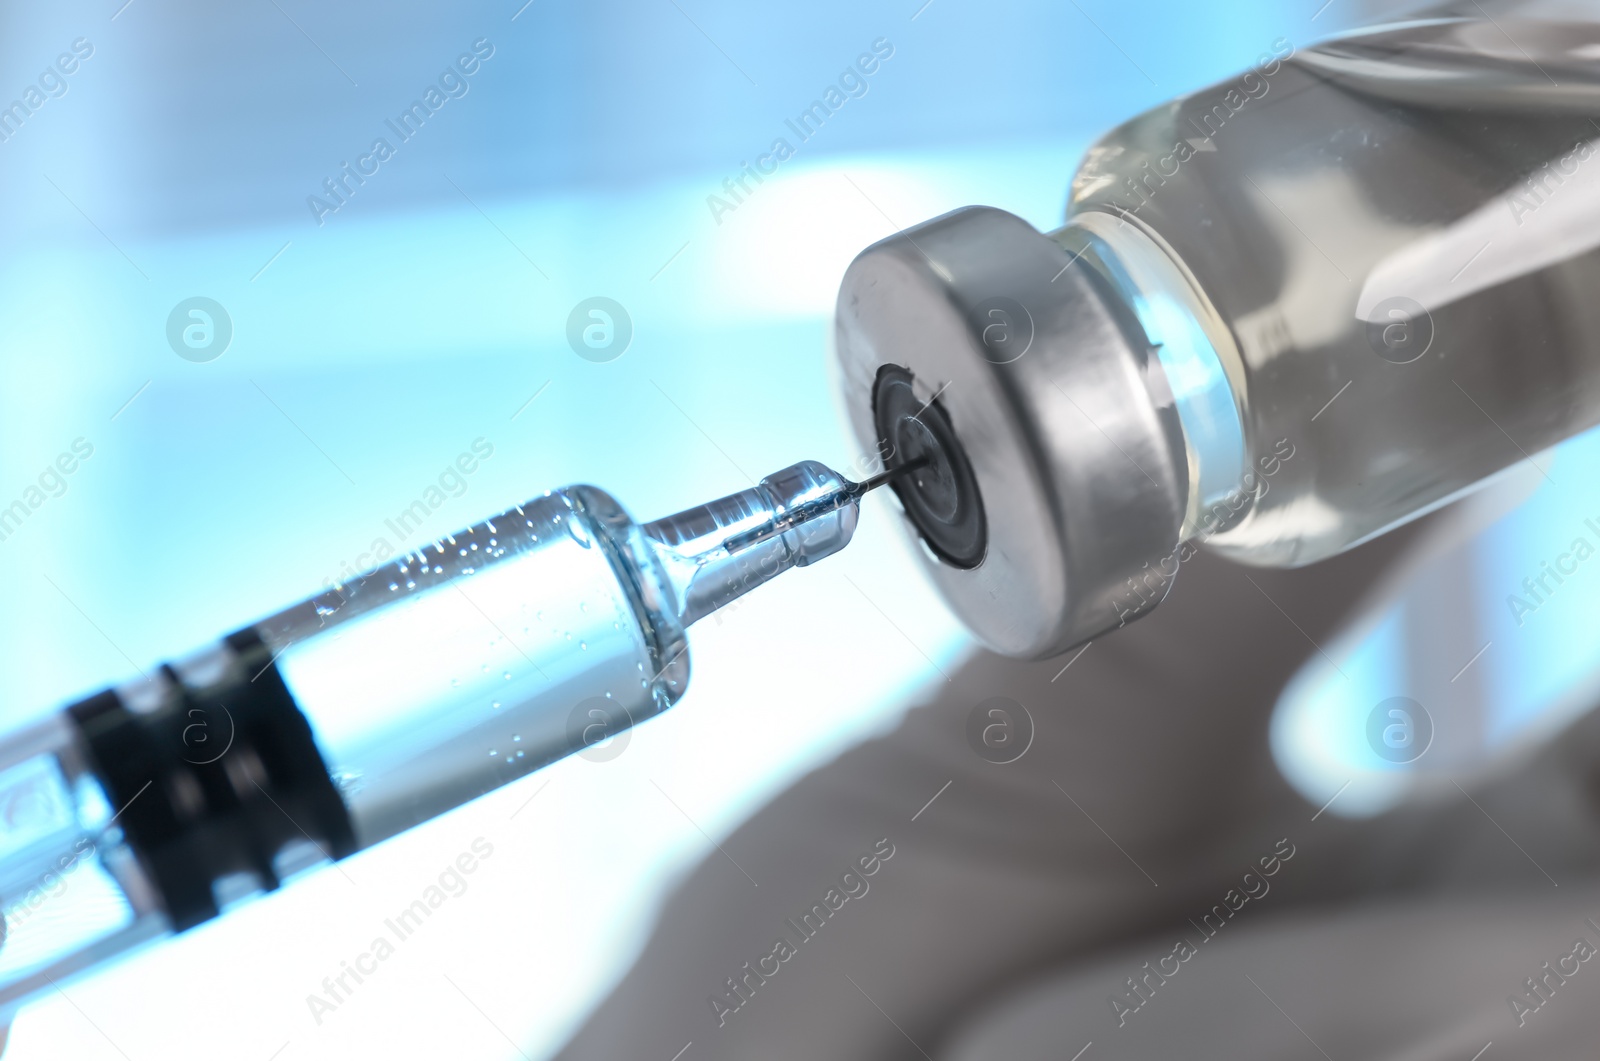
1370 266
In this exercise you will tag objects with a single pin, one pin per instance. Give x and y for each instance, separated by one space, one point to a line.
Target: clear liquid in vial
1403 223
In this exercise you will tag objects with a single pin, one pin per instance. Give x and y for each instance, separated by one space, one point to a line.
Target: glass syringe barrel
483 656
369 708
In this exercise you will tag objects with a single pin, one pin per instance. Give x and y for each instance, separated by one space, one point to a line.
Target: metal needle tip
857 489
837 498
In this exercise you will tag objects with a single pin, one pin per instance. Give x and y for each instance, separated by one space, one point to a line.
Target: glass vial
1285 314
1389 241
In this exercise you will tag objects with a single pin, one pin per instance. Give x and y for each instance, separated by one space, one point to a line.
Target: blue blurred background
372 346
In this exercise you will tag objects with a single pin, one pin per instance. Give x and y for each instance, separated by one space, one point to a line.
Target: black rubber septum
941 497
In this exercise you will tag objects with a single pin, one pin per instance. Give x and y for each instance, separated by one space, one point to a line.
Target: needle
848 494
857 489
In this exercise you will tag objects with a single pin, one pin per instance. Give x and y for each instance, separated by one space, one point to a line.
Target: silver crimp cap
1055 395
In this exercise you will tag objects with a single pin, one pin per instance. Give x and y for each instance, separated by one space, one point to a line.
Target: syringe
145 809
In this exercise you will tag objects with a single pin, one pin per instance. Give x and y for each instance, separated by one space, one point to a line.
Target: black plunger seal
215 776
941 497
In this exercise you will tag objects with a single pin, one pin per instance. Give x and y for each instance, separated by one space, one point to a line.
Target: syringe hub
716 552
